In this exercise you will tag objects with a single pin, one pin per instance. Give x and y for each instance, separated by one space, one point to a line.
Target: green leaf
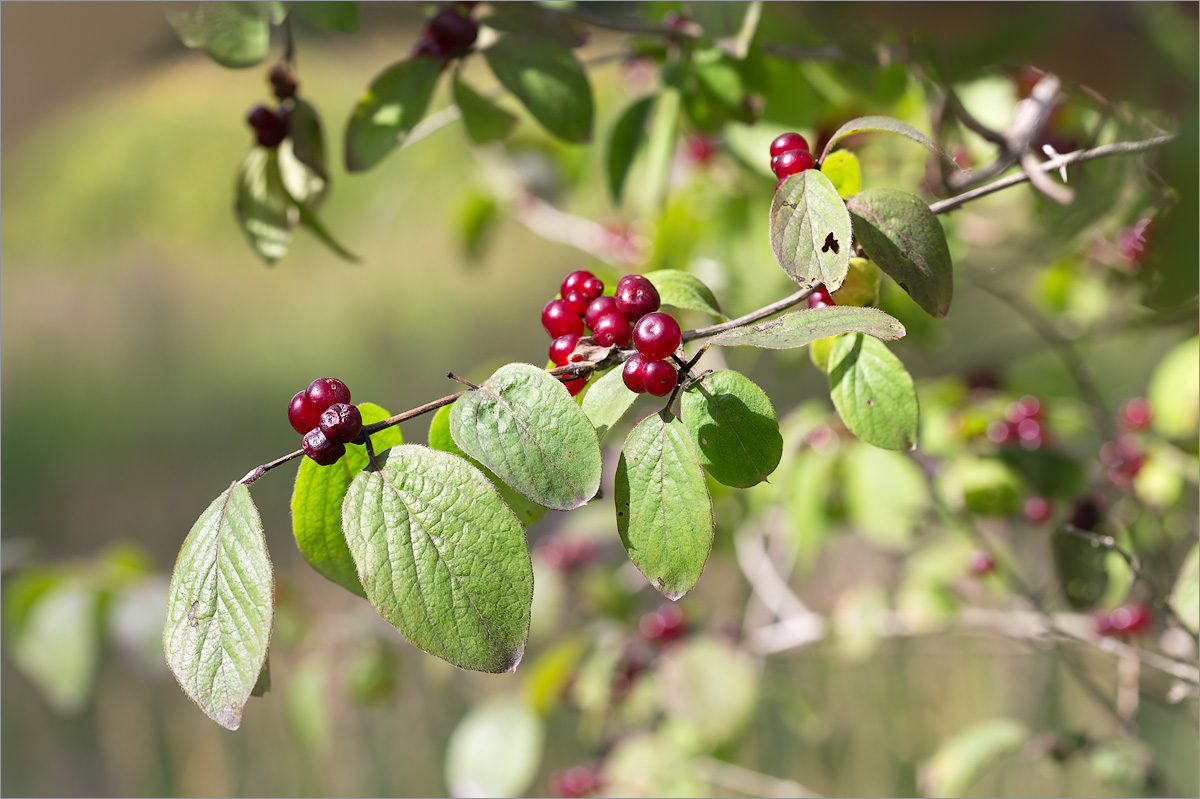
962 758
235 35
484 120
495 750
734 427
645 763
718 79
395 101
623 143
476 216
802 327
1185 596
904 238
873 393
1174 391
810 230
843 172
1080 568
308 141
524 426
607 400
340 17
710 688
660 149
263 206
549 82
313 223
57 646
307 701
879 124
861 286
317 504
220 607
440 439
885 495
684 290
664 512
441 557
533 19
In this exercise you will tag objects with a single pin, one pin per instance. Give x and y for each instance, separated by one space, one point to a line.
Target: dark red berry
301 415
318 447
663 625
657 335
980 563
659 377
260 117
454 32
283 82
592 288
326 391
601 306
573 383
559 319
341 423
578 302
612 330
792 162
428 46
270 127
574 282
1038 510
636 297
1136 414
786 142
821 298
562 347
1129 619
1087 513
632 373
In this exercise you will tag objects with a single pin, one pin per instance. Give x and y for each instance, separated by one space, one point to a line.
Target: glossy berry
601 306
592 288
820 298
302 416
341 423
1129 619
636 297
454 32
559 319
578 301
657 335
1087 513
326 391
574 384
562 347
575 282
632 373
791 163
283 82
270 127
612 330
1135 414
786 142
318 447
659 377
1038 510
980 563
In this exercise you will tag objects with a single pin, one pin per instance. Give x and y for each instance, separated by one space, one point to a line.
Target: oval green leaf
441 557
440 439
684 290
802 327
904 238
844 172
962 758
483 120
317 504
623 143
262 205
394 103
664 512
235 35
1174 391
734 427
220 607
57 645
607 400
308 140
1080 568
873 393
879 124
495 750
548 80
524 426
810 230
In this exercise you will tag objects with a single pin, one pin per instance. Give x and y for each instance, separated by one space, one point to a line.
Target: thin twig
762 313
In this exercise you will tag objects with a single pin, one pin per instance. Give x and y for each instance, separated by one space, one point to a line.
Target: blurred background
148 355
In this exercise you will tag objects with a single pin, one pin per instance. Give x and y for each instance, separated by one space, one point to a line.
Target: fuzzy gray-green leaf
734 427
607 400
798 328
873 392
810 230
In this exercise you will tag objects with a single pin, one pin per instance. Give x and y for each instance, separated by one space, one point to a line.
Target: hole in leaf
831 243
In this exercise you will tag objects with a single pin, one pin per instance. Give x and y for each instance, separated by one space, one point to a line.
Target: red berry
283 82
820 298
318 447
574 384
574 281
700 149
792 162
636 297
981 563
612 330
786 142
1129 619
270 127
559 319
1027 407
1136 414
659 377
1087 513
592 287
260 117
663 625
657 335
574 782
578 301
632 373
1038 510
1124 460
1133 241
302 416
601 306
562 347
341 423
454 32
326 391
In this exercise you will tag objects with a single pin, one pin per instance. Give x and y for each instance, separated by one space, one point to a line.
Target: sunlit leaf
873 392
963 757
879 124
495 750
235 35
263 207
1174 391
734 427
798 328
844 172
684 290
1185 596
393 104
483 120
607 400
548 80
57 646
623 144
810 230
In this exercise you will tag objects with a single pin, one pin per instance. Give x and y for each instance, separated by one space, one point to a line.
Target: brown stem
762 313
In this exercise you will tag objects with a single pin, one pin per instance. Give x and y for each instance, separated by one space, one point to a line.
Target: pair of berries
790 155
1022 424
449 33
323 415
1129 619
271 126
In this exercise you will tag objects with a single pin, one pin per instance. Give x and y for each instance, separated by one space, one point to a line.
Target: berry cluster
1022 424
271 126
449 33
1129 619
323 415
790 155
630 316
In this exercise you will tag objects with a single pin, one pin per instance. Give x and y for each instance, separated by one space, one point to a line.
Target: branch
754 316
